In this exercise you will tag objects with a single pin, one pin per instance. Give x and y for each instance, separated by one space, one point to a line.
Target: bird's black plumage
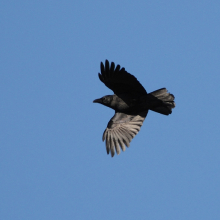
131 103
119 80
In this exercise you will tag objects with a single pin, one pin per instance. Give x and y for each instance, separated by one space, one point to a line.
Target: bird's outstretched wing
119 80
121 130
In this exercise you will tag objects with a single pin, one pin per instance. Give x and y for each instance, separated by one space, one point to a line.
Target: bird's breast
123 103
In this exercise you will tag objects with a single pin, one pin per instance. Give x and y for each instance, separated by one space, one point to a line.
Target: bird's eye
105 100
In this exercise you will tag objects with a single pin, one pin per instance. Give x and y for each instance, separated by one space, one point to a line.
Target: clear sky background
53 163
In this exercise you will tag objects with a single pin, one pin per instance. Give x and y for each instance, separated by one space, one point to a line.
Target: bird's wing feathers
121 130
119 80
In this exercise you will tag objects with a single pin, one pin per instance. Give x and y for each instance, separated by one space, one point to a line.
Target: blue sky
53 163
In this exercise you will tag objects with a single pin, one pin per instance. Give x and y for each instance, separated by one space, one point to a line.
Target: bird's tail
162 101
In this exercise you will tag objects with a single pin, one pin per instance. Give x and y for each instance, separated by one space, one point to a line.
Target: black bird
131 103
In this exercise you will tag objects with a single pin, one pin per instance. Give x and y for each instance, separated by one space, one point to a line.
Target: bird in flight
131 103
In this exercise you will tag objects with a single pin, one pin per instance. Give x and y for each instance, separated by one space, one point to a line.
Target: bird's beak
97 101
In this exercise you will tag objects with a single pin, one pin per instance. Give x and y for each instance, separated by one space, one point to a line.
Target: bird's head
105 100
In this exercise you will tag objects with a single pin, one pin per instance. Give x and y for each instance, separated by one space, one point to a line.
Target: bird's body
131 103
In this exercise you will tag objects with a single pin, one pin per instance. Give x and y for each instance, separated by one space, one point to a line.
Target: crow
131 103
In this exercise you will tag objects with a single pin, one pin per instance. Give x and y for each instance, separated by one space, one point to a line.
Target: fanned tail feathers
164 101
